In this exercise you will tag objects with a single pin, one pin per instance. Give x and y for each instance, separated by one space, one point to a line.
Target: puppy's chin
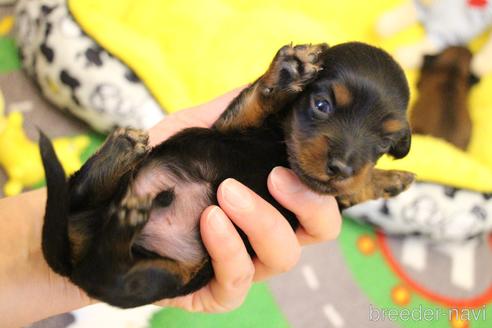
318 185
334 186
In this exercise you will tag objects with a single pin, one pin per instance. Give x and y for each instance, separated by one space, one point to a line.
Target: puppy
441 109
125 226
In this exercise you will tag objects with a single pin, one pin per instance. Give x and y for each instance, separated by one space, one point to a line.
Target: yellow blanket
188 51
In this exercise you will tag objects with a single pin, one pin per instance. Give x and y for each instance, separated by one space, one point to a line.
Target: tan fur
250 113
266 96
183 271
441 109
312 156
356 182
343 97
382 184
392 126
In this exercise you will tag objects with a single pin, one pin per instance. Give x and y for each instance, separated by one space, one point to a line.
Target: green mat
259 310
9 60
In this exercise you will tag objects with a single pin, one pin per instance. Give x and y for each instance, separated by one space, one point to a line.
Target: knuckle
215 306
245 278
230 306
225 300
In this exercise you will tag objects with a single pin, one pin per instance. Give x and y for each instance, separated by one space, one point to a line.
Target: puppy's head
351 115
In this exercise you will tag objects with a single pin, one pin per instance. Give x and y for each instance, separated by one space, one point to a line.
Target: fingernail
236 195
217 220
285 180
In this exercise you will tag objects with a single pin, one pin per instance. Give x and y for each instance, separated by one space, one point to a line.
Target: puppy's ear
402 147
55 244
473 79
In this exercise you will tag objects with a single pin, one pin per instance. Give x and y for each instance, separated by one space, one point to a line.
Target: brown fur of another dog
441 109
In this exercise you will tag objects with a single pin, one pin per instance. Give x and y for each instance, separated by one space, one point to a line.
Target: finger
318 215
269 233
232 264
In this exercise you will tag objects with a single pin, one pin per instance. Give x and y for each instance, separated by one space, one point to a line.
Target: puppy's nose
337 167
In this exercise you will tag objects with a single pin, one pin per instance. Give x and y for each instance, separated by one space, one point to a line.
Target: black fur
92 221
55 231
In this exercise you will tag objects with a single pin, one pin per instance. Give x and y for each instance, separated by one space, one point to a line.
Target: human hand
277 246
32 291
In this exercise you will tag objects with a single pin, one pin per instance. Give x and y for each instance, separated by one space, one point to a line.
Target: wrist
30 290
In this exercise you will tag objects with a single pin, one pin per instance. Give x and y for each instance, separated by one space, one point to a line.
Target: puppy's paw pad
310 54
293 67
287 50
135 136
134 211
398 181
133 141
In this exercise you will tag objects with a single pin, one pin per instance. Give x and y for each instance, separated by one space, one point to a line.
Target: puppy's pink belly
174 236
173 231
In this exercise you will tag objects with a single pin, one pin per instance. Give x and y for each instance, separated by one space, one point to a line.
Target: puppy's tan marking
392 126
383 184
179 269
250 112
291 69
343 97
355 183
312 155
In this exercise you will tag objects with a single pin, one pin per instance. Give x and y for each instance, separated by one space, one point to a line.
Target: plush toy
76 74
433 211
20 157
446 23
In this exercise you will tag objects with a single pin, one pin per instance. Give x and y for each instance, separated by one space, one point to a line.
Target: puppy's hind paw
137 140
134 211
123 150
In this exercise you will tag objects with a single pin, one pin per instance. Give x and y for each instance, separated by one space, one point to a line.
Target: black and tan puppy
125 227
441 109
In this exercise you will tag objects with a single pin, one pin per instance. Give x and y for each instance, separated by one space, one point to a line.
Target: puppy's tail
55 244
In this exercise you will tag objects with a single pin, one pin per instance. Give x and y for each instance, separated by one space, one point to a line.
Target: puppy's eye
323 106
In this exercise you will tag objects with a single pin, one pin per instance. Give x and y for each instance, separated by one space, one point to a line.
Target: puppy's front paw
392 183
134 211
292 68
383 184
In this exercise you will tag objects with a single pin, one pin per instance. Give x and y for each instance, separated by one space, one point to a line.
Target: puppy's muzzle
339 169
